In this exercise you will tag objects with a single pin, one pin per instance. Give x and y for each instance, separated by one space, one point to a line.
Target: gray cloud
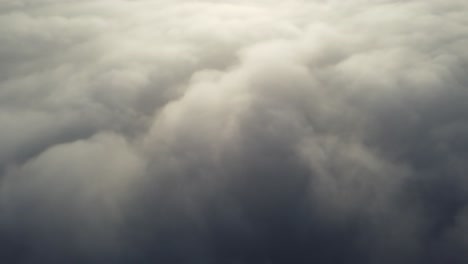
233 132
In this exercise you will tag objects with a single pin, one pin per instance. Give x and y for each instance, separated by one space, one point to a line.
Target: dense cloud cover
237 132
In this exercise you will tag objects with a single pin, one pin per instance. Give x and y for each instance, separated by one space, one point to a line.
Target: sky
233 132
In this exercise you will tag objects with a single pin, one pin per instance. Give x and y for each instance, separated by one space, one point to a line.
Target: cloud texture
243 132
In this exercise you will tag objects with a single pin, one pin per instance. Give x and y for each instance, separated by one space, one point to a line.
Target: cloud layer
241 132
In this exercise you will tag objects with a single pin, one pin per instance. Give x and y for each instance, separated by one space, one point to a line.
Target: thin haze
234 132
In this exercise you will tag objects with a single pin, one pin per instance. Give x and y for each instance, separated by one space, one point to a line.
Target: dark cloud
239 132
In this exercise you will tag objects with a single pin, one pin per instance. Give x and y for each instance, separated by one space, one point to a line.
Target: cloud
233 132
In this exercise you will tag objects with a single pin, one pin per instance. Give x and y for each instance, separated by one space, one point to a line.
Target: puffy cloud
233 132
70 198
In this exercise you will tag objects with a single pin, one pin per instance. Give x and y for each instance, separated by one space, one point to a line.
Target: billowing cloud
233 131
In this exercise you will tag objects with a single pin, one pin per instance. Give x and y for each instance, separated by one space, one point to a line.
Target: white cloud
325 115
